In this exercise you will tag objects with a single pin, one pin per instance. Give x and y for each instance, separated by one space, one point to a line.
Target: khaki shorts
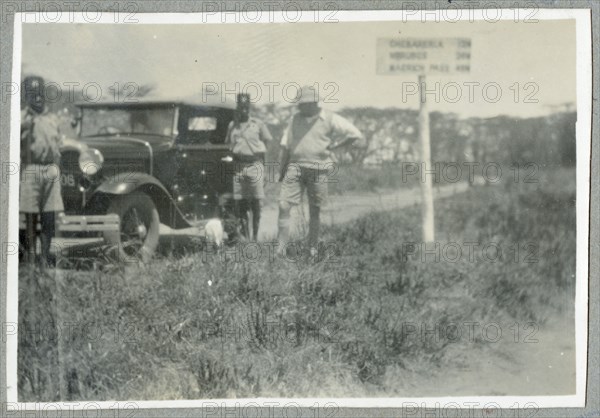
40 189
297 179
249 181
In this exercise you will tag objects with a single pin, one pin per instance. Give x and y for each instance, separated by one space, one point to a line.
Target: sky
271 59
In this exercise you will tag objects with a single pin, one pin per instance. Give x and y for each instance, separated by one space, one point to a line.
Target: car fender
70 144
125 183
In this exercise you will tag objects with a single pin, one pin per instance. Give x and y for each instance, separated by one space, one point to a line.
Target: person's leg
314 225
289 195
241 208
283 225
256 195
245 212
256 205
50 203
317 194
22 250
47 224
29 244
30 196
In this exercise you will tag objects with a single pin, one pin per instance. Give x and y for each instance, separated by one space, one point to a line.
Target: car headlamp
90 161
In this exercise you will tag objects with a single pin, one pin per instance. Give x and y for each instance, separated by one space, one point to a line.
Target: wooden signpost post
424 56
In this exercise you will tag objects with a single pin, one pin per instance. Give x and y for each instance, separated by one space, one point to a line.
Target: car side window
203 125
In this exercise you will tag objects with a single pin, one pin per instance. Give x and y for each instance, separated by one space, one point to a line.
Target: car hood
125 146
120 153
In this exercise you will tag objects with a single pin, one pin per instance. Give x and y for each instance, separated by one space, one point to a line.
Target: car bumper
87 223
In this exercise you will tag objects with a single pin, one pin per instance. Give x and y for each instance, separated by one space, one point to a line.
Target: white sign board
423 55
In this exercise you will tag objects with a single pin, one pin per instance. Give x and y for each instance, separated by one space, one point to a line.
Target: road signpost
424 56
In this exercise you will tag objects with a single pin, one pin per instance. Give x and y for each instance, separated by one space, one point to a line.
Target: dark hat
243 99
33 85
33 92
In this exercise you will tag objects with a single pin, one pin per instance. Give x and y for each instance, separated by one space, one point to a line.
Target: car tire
139 224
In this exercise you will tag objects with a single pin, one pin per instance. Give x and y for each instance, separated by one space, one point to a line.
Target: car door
205 162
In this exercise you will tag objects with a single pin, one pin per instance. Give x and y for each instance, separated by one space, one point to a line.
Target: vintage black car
144 163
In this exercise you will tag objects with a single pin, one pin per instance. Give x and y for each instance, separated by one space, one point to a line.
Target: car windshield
119 121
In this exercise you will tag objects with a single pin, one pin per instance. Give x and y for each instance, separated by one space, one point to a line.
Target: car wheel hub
142 231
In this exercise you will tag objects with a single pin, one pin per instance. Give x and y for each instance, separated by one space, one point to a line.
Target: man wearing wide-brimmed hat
306 160
40 194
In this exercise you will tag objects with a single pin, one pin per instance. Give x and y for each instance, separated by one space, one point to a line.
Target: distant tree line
393 134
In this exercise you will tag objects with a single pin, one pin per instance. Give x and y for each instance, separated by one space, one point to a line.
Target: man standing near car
39 195
306 160
248 137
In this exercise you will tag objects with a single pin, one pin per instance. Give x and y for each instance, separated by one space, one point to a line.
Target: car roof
199 100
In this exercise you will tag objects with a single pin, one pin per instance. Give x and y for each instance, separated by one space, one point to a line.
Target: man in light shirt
306 160
248 137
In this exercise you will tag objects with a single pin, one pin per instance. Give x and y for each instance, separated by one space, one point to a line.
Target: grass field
208 325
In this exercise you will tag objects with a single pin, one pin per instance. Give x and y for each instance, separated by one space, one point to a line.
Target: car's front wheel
139 226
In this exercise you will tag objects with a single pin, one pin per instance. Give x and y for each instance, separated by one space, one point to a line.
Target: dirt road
344 208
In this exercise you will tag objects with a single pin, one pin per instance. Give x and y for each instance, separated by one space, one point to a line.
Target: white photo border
583 138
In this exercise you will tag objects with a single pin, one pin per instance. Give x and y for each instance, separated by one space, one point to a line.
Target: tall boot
242 216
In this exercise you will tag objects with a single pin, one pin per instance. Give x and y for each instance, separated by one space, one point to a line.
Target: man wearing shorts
306 160
248 137
39 195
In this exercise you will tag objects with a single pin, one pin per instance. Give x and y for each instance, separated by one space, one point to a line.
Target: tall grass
212 326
